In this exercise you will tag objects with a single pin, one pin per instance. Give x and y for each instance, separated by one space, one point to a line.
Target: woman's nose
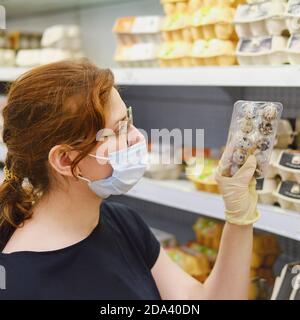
134 136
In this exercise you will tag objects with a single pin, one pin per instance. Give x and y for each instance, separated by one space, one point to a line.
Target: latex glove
239 194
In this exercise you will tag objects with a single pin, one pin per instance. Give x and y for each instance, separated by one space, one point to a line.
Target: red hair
60 103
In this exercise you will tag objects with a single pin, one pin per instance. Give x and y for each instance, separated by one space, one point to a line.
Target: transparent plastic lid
252 131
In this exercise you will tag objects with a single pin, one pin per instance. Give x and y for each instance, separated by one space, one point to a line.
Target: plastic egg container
293 16
176 28
269 50
288 195
266 187
175 54
260 19
215 22
137 55
143 29
213 52
252 132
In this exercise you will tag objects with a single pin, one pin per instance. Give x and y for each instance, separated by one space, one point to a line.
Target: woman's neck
71 211
60 219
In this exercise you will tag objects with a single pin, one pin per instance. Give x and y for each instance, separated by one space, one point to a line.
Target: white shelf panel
10 73
265 76
182 195
237 76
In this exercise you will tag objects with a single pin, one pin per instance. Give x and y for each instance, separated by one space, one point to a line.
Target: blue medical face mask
128 166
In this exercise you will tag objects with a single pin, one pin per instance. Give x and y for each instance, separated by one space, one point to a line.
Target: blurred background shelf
10 73
254 76
181 194
282 76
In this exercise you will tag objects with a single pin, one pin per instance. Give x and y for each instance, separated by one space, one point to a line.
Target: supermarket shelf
251 76
182 195
254 76
10 73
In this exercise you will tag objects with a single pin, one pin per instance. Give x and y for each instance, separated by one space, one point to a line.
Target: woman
59 238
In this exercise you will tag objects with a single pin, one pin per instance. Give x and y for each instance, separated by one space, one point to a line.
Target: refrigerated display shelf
10 73
236 76
181 194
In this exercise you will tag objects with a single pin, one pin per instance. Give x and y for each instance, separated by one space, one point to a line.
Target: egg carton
266 187
213 52
285 134
7 57
288 195
271 171
287 165
28 57
176 28
215 22
175 54
137 55
171 7
293 49
260 19
267 50
140 29
58 33
293 16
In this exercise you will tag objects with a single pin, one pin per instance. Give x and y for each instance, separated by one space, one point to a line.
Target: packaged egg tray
190 6
213 52
293 16
252 131
285 134
287 165
176 28
138 55
260 19
175 54
171 7
265 188
269 50
216 22
288 195
293 48
7 57
143 29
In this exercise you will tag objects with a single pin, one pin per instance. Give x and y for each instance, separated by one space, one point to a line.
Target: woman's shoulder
118 212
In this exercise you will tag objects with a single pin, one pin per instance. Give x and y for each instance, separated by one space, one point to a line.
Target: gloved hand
239 194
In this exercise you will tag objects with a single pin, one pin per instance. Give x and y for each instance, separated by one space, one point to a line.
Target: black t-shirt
113 262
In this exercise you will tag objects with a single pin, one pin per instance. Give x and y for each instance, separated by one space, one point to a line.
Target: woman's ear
60 158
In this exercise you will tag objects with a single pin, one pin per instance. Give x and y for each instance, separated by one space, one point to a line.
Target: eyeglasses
123 127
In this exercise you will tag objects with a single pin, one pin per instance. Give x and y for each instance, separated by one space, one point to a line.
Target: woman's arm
230 276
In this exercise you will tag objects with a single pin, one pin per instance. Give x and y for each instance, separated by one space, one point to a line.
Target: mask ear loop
85 179
98 157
